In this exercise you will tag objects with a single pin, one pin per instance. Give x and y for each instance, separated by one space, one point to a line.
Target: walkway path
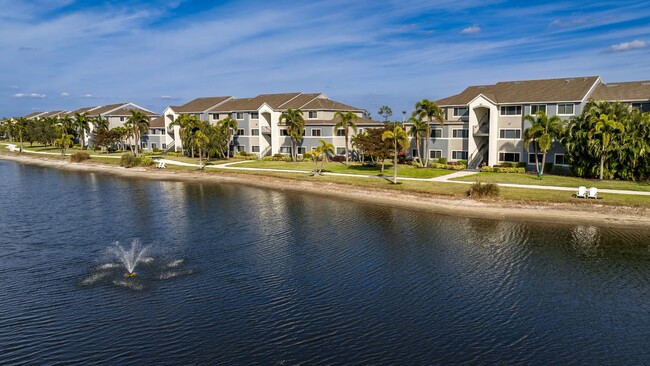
444 178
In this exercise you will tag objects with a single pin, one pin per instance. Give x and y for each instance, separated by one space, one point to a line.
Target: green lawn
405 171
555 180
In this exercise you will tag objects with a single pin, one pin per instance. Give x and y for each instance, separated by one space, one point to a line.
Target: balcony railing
266 130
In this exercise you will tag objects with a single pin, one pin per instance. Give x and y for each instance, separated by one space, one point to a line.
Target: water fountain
129 257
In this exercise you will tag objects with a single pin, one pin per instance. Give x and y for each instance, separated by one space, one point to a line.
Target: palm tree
542 133
122 133
324 149
137 124
228 125
429 109
399 139
295 123
100 123
418 130
82 125
20 126
603 131
200 140
64 142
346 121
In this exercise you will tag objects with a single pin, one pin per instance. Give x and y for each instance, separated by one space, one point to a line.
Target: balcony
266 130
482 130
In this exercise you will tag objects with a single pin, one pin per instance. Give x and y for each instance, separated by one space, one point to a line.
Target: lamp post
403 117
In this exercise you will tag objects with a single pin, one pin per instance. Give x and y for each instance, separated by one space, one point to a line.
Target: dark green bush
442 161
548 167
80 156
481 190
129 161
500 169
521 164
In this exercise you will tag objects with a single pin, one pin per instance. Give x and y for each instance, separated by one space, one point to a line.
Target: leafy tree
137 124
346 121
373 146
367 114
201 140
418 130
324 150
399 139
429 109
295 123
64 142
21 125
217 145
385 112
604 131
228 126
121 133
542 133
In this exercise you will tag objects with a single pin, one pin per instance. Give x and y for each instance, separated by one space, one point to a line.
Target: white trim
511 105
591 90
437 129
565 114
431 150
462 151
243 148
453 111
458 129
258 131
336 133
320 132
255 146
309 115
303 148
531 108
237 116
336 148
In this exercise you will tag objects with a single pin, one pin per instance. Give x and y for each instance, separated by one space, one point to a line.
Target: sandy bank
601 215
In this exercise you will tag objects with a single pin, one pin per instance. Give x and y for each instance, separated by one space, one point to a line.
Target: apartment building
484 124
259 129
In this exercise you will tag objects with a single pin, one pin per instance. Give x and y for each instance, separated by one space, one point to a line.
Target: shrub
129 161
481 190
502 169
267 158
80 156
442 161
447 166
146 161
173 153
337 158
521 164
156 150
548 167
307 156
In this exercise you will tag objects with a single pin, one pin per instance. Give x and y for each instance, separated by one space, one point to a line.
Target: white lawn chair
582 192
161 165
593 193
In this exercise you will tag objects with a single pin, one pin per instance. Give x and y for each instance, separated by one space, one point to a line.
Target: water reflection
585 240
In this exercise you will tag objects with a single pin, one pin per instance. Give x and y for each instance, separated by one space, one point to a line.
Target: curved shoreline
599 215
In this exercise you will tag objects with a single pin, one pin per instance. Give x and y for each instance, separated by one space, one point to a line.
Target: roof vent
611 85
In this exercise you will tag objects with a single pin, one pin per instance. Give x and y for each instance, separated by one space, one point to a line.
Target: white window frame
509 152
532 155
521 109
573 109
460 115
164 146
255 115
435 150
458 151
309 115
144 144
239 116
336 150
564 158
320 132
287 150
153 146
453 132
433 131
301 150
240 148
255 131
537 105
215 116
359 131
285 133
243 132
255 147
509 138
342 130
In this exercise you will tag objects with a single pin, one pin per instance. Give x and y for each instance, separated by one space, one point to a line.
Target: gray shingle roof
623 91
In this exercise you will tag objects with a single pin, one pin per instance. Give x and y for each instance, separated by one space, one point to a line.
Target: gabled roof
623 91
34 114
329 105
300 101
527 91
53 114
242 104
360 122
200 105
157 122
82 110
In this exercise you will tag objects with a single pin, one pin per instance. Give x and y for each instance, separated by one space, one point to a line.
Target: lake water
239 275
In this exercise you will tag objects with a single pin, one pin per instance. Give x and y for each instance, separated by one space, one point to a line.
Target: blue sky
65 54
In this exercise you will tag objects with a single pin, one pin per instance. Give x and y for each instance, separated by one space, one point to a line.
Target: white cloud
628 46
167 97
87 96
28 95
471 30
65 94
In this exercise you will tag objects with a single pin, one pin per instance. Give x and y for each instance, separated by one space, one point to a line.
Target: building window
313 114
435 154
255 131
164 146
154 146
255 148
537 108
301 150
255 115
461 111
531 158
285 149
436 133
121 119
459 155
360 131
340 132
215 116
340 150
560 160
565 109
315 131
415 152
511 110
144 145
240 132
460 133
509 134
283 132
509 157
240 115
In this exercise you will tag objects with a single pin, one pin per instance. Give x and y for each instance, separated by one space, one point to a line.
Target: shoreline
598 215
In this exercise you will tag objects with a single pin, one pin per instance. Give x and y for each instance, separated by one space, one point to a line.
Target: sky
66 54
